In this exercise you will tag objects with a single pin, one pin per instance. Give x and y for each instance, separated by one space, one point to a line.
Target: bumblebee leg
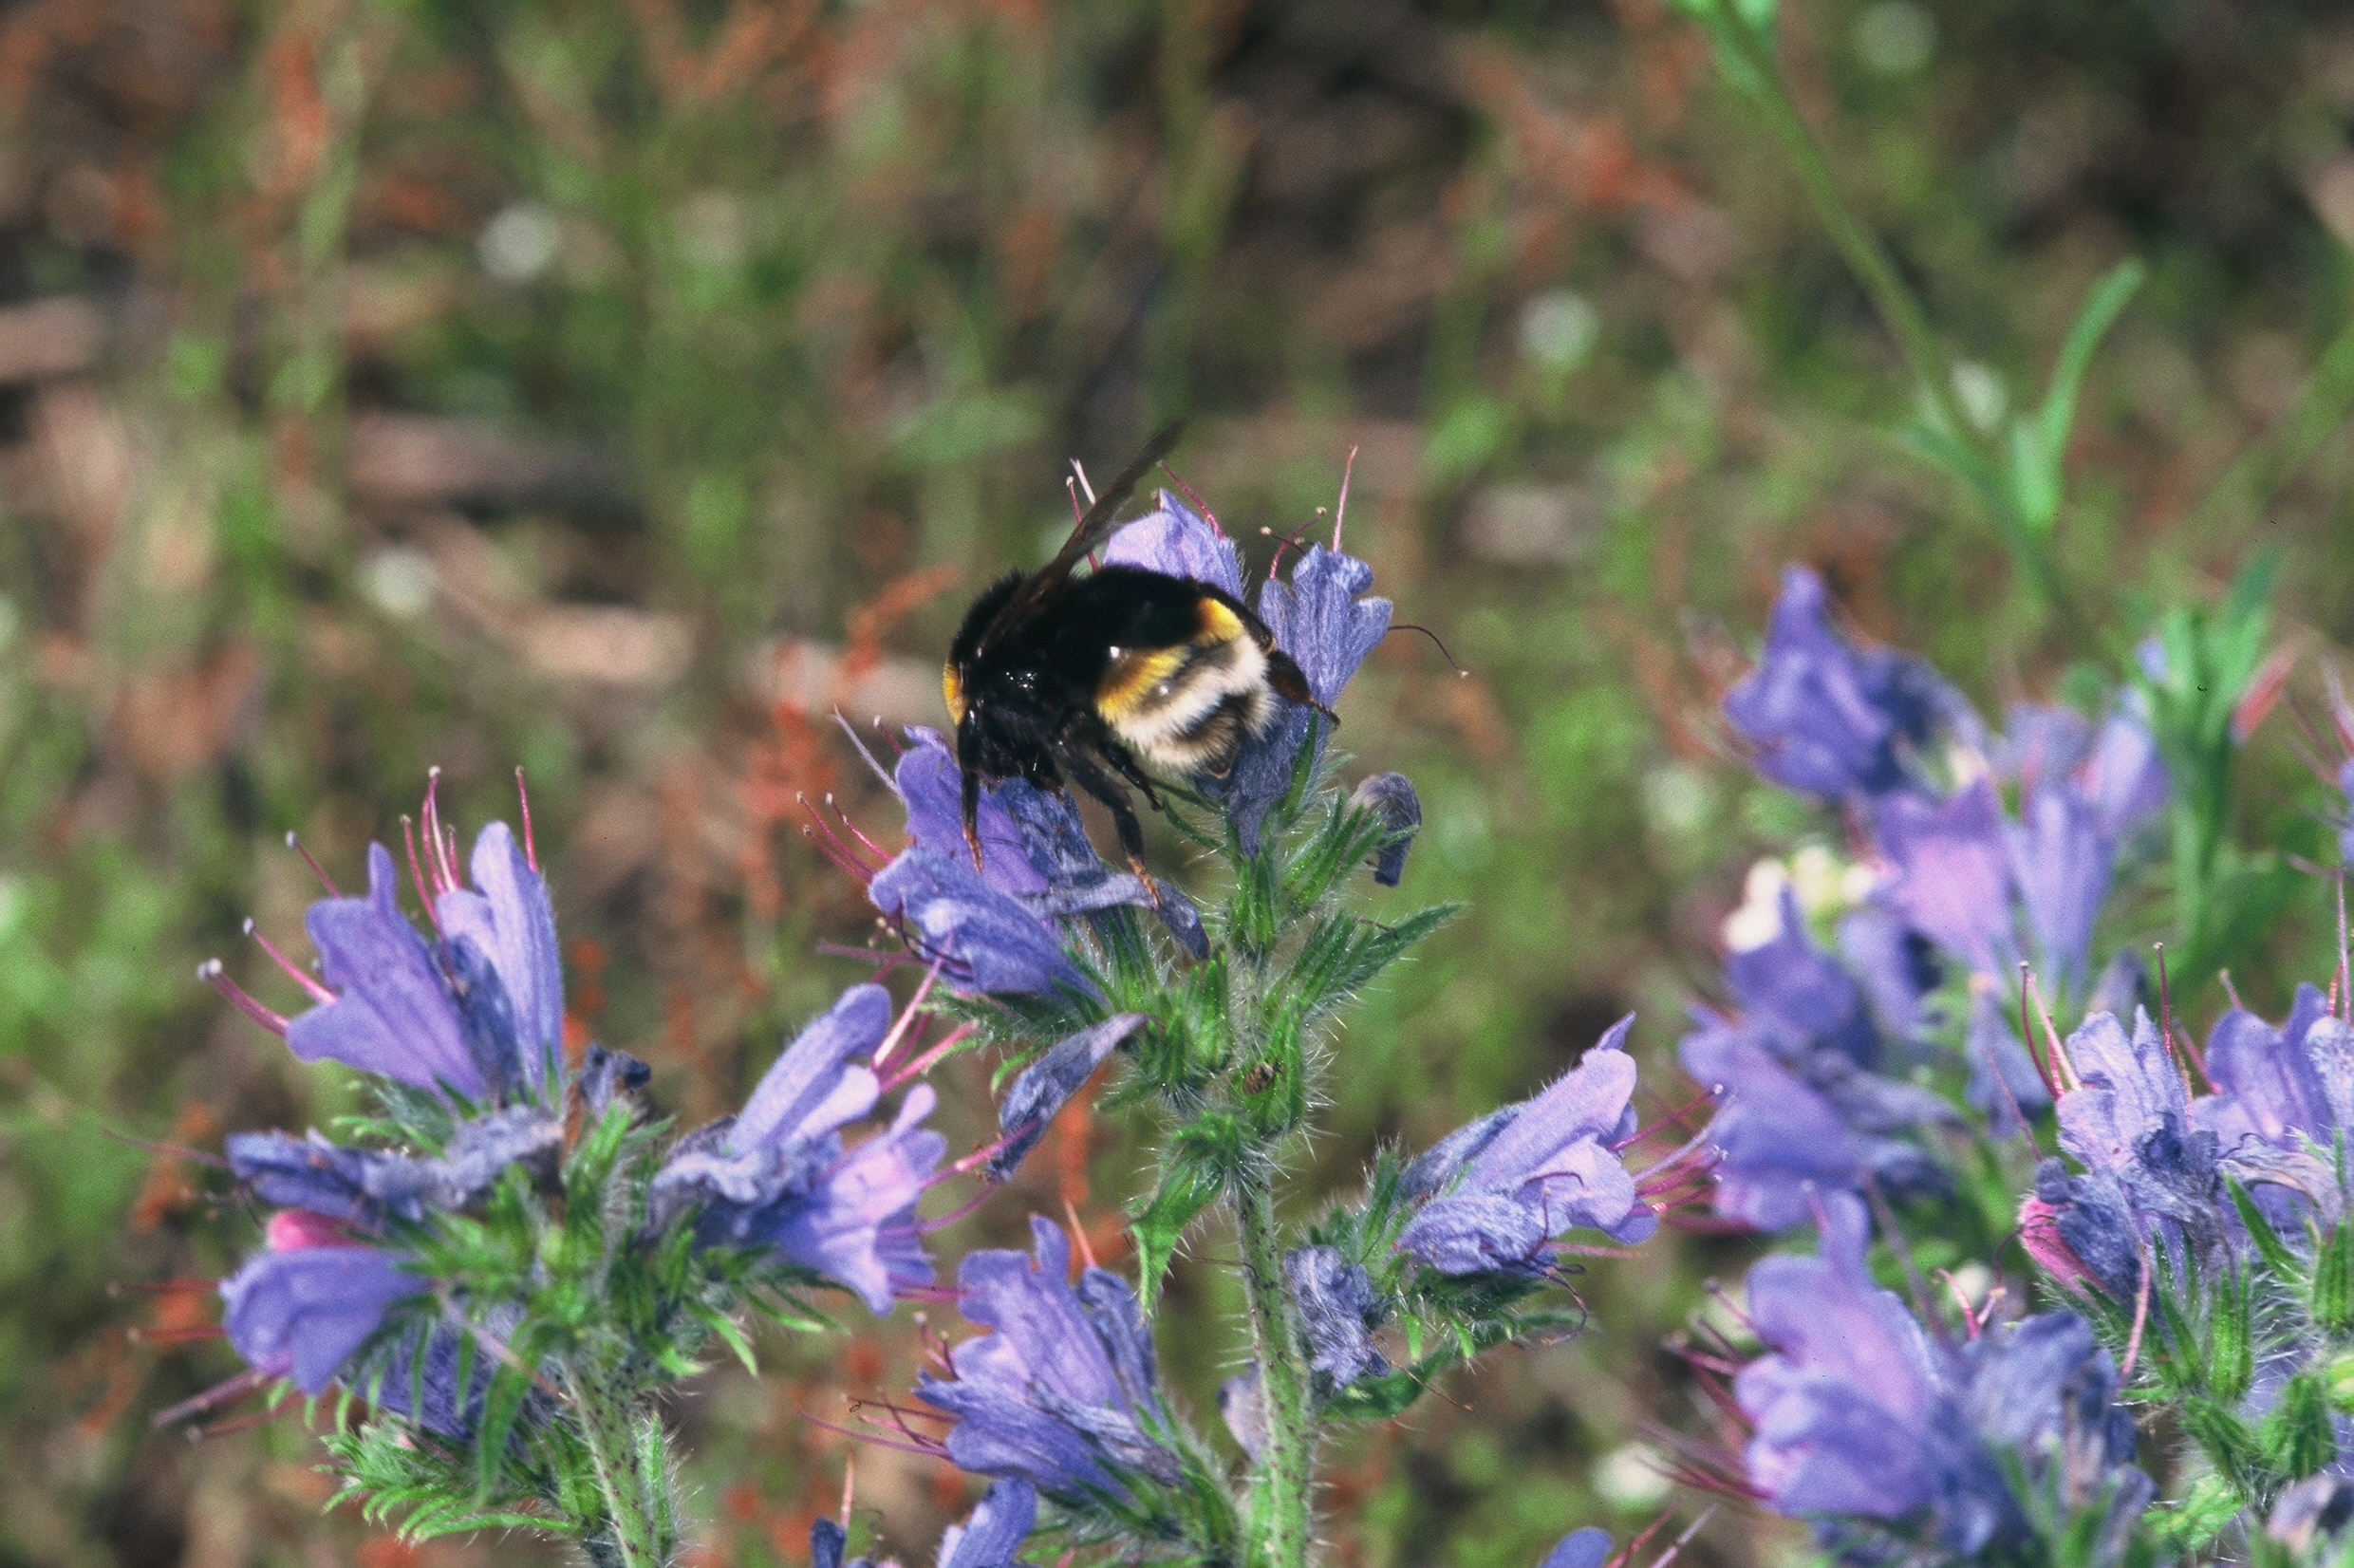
971 803
1288 679
1120 759
1078 762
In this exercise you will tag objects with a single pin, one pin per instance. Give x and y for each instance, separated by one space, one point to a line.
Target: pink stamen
2345 964
850 1483
2233 991
926 1227
989 1150
175 1151
909 1020
1954 1288
876 768
1087 1250
2141 1318
430 823
869 1434
316 869
301 976
863 871
417 873
531 850
923 1064
2027 1128
1070 488
1678 1544
1723 1299
852 868
872 847
1340 509
213 1397
2061 1064
2027 1038
210 973
1673 1118
1202 506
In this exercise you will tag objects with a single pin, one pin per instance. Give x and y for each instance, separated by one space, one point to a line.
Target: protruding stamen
926 1062
2061 1066
2140 1320
907 1021
1340 509
523 797
210 972
213 1398
417 872
2026 1039
865 755
301 976
316 869
851 827
1087 1248
942 1221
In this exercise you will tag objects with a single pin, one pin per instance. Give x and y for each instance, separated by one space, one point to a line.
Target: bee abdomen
1189 707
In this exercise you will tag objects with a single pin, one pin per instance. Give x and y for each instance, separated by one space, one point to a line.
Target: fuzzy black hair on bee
1060 677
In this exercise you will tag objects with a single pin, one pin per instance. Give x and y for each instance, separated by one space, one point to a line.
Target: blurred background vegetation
613 387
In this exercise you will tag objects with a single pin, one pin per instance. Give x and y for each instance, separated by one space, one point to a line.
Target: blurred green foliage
590 384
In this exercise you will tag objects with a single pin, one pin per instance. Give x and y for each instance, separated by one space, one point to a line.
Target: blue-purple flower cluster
1887 1436
1815 1061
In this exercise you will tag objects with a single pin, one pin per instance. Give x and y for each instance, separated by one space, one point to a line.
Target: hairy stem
632 1475
1280 1524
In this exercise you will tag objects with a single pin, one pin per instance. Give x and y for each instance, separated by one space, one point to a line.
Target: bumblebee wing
1092 530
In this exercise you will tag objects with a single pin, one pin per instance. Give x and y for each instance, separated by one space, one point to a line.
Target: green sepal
2204 1513
2296 1436
2231 1355
2260 1231
2226 1441
1201 1159
2333 1281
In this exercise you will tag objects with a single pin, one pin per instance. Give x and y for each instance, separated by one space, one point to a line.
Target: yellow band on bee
1128 683
952 692
1219 624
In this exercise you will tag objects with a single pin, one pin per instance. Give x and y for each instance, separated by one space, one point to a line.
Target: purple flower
994 1531
1798 996
1063 1394
2268 1082
1337 1308
1323 619
1828 718
2003 1085
1586 1548
777 1176
1391 798
2126 778
1859 1415
479 1011
1896 967
1953 866
1522 1175
1034 844
989 941
1779 1139
363 1186
2062 858
1177 541
1042 1088
988 1538
300 1310
2040 742
2149 1180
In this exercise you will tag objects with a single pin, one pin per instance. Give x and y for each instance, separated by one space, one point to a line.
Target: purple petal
990 940
1799 994
1042 1087
1586 1548
395 1016
1391 798
308 1173
511 919
2265 1079
2043 743
1777 1139
836 1229
1954 866
932 787
1588 1101
1321 621
302 1314
1176 541
2126 778
996 1529
1474 1233
2061 860
810 1089
1822 718
2131 1086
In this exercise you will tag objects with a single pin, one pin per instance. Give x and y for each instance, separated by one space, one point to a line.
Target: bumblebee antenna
1409 625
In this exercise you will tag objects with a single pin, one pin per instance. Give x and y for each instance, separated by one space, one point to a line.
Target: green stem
1871 263
1869 260
1279 1525
632 1473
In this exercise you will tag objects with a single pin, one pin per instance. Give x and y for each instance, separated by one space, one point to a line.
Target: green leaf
501 1407
1186 1189
2333 1281
2260 1231
2056 419
2296 1436
724 1326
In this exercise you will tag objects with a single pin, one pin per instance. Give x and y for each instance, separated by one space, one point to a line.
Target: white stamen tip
248 926
208 969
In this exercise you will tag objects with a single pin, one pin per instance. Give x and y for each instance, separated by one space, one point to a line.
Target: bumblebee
1060 679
